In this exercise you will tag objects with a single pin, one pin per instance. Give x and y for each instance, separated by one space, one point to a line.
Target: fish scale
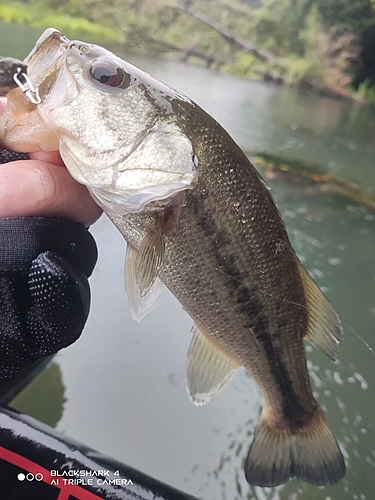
248 260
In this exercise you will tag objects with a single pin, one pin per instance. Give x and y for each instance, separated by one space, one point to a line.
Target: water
121 387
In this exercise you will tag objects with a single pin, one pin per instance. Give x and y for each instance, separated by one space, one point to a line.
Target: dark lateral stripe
249 304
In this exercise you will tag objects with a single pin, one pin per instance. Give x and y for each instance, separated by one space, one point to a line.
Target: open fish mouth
49 51
21 126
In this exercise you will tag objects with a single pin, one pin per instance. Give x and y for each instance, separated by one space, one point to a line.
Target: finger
3 101
48 157
36 188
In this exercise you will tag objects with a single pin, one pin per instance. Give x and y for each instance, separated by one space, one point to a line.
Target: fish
198 218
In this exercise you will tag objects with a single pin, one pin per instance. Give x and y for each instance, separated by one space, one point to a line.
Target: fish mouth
48 48
21 126
46 60
43 65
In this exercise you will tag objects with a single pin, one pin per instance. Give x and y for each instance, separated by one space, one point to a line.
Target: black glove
44 292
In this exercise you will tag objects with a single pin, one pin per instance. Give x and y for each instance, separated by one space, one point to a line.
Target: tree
347 15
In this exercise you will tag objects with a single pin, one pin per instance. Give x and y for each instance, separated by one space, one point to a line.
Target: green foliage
311 30
243 64
15 13
300 33
291 25
347 15
78 26
35 15
302 69
280 23
366 91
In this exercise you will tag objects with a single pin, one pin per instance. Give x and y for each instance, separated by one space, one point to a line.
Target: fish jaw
22 127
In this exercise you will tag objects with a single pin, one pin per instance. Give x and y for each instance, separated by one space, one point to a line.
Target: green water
121 387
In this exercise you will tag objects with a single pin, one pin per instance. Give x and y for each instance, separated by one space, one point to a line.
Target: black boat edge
38 462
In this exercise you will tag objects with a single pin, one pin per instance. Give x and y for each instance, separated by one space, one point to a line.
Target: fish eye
109 74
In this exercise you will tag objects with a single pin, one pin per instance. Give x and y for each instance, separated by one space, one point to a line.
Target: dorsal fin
324 328
208 369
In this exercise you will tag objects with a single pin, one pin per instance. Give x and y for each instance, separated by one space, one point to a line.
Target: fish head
115 126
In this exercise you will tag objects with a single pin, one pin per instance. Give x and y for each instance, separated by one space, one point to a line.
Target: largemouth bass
197 217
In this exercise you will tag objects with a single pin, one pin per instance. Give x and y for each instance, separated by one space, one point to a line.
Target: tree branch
231 38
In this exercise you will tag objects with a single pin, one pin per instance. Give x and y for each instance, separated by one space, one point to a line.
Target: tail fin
310 453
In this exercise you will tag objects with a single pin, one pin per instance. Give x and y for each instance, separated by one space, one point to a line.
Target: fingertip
3 101
52 157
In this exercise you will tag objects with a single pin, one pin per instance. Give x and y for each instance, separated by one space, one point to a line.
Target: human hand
42 186
46 256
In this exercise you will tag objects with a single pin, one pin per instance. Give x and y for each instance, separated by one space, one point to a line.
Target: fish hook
27 88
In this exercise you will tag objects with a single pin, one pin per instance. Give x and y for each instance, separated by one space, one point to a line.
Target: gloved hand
44 292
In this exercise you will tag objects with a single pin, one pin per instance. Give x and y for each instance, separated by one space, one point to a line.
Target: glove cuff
22 239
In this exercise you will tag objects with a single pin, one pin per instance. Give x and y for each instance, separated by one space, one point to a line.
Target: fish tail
310 453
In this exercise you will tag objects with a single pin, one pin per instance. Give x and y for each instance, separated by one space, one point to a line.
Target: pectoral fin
208 369
324 329
139 305
149 259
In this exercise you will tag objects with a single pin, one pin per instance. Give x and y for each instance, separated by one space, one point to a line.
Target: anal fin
324 327
208 369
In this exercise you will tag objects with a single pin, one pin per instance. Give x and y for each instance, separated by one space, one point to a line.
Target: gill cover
135 153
